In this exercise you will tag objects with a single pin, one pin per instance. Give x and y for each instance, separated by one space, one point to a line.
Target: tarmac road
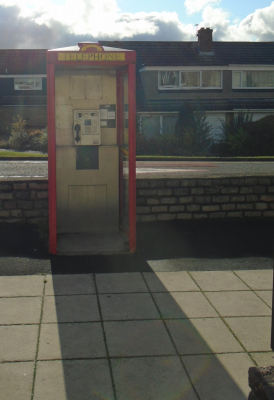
151 169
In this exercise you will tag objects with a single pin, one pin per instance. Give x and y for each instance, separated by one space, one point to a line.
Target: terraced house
224 78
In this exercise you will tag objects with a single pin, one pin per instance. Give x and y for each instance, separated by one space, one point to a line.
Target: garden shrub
247 138
19 138
23 139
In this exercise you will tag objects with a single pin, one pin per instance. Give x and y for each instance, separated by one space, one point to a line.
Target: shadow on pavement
22 251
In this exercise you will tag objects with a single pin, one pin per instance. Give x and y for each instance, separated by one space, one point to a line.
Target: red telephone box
91 150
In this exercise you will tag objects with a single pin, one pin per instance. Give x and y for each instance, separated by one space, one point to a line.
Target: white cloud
44 24
194 6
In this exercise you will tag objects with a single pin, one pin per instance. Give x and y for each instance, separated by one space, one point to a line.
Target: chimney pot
205 40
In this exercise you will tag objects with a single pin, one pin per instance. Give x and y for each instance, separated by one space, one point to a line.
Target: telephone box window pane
236 77
150 126
257 79
169 79
29 83
190 79
211 79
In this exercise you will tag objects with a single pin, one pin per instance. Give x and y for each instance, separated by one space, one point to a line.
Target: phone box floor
86 243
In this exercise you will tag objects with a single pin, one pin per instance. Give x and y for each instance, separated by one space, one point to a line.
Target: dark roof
187 53
23 62
206 105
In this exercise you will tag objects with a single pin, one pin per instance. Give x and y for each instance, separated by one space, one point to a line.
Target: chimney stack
205 40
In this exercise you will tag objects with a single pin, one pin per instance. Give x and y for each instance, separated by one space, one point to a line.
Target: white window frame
180 87
250 87
35 79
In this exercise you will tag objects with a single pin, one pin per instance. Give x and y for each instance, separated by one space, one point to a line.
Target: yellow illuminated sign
91 56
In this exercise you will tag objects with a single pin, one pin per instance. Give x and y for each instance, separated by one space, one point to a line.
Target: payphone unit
91 165
87 127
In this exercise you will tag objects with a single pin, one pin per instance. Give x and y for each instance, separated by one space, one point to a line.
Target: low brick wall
157 199
25 202
167 199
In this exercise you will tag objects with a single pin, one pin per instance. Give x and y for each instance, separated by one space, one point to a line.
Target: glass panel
125 212
150 126
236 79
169 124
190 79
29 83
258 79
168 78
125 140
211 79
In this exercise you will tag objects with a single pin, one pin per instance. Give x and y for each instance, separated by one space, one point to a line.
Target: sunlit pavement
153 335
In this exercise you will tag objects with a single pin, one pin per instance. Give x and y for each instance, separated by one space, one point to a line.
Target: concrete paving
186 334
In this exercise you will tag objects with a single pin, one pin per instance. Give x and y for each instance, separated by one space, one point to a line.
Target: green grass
16 154
202 158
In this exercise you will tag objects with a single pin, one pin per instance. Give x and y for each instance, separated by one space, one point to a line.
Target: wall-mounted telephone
87 127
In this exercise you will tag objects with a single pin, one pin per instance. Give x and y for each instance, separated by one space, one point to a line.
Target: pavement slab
257 280
138 338
75 379
77 308
202 335
59 285
20 310
184 335
220 376
266 296
253 332
184 305
170 282
16 286
210 281
232 304
18 342
263 359
16 380
149 378
120 283
66 341
128 306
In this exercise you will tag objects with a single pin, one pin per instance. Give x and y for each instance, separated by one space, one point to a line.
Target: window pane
169 124
150 126
190 79
211 79
258 79
169 79
236 78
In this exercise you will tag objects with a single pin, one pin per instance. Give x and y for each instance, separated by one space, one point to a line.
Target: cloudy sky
57 23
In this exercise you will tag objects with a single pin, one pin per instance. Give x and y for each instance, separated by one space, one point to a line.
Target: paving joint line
238 340
38 340
252 290
171 339
105 339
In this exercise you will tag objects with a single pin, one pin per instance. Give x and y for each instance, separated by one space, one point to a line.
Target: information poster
108 115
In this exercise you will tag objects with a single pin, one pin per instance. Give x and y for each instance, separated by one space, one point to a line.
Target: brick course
163 199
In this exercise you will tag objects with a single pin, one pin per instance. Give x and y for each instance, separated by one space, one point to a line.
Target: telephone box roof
91 44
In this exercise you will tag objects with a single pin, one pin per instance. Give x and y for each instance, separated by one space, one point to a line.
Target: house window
169 79
252 79
190 79
175 80
150 126
27 83
153 125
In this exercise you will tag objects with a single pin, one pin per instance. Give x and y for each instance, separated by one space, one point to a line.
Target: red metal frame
129 64
132 155
51 159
